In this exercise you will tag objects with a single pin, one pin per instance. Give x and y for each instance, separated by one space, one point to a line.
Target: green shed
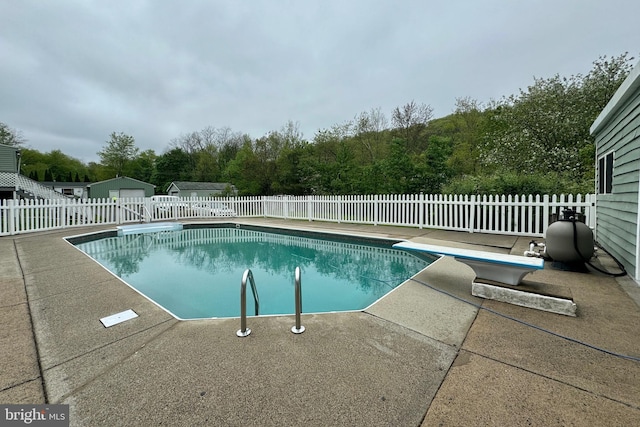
121 187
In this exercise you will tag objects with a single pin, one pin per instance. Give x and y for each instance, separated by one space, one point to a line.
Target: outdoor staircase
27 188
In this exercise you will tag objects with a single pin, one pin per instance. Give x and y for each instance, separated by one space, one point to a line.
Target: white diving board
124 230
496 267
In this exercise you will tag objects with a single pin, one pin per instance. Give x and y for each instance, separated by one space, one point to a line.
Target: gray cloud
72 72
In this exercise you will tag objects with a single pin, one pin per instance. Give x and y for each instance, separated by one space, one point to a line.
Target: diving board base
511 274
539 301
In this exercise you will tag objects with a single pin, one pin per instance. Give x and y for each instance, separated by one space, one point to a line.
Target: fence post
64 215
285 207
117 207
421 210
546 213
12 217
375 209
472 213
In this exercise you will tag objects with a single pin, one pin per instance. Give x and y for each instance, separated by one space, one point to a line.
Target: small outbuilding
72 189
617 134
121 187
9 168
201 189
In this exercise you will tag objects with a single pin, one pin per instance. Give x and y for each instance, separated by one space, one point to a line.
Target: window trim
605 173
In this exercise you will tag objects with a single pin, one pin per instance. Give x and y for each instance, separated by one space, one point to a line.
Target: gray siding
8 159
617 213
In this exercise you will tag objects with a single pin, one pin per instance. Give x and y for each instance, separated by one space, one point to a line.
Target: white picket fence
513 215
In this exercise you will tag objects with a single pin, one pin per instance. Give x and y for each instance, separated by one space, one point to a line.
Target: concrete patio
425 355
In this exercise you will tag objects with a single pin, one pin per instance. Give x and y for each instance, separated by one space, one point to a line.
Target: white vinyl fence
514 215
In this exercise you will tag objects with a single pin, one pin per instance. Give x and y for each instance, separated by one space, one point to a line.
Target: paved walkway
420 356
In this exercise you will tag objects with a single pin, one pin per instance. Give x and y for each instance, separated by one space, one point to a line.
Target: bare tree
9 136
369 127
291 134
409 121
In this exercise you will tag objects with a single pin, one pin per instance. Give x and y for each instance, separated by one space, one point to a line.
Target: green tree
290 176
469 121
328 166
98 172
207 166
120 149
546 128
143 166
61 167
432 168
244 171
174 165
398 168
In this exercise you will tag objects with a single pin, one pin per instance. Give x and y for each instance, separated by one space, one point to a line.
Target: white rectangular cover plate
114 319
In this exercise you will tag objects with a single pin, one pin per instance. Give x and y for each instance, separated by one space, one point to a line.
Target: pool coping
443 381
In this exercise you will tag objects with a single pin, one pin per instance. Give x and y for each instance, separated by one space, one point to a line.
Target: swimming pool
195 273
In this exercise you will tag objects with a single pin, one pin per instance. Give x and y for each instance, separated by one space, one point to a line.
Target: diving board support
497 276
496 267
524 299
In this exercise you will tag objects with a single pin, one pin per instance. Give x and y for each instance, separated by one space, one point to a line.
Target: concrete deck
419 357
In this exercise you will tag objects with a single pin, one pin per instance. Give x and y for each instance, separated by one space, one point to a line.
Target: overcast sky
74 71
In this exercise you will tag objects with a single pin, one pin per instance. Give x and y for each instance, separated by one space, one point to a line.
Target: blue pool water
196 273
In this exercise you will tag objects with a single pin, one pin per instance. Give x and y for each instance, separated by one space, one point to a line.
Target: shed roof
64 184
126 178
12 147
624 92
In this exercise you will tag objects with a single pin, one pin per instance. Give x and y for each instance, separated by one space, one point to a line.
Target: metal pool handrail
298 328
248 275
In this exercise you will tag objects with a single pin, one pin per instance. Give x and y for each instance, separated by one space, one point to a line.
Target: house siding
8 159
617 212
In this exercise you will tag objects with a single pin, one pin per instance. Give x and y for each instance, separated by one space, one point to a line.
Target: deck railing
513 215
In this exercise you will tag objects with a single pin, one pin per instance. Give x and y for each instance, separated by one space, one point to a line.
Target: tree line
534 142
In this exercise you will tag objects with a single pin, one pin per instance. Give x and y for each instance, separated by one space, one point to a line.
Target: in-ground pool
196 272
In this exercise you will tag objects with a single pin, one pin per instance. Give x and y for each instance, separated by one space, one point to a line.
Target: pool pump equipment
569 241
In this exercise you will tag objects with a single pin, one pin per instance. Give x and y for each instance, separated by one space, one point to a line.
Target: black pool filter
569 240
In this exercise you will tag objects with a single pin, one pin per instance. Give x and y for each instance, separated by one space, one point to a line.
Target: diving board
495 267
124 230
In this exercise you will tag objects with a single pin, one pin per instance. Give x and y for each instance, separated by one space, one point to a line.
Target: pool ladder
248 276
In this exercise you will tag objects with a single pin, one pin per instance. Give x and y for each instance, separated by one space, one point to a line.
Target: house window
605 173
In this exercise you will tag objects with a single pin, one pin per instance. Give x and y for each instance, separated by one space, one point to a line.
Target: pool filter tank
569 240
